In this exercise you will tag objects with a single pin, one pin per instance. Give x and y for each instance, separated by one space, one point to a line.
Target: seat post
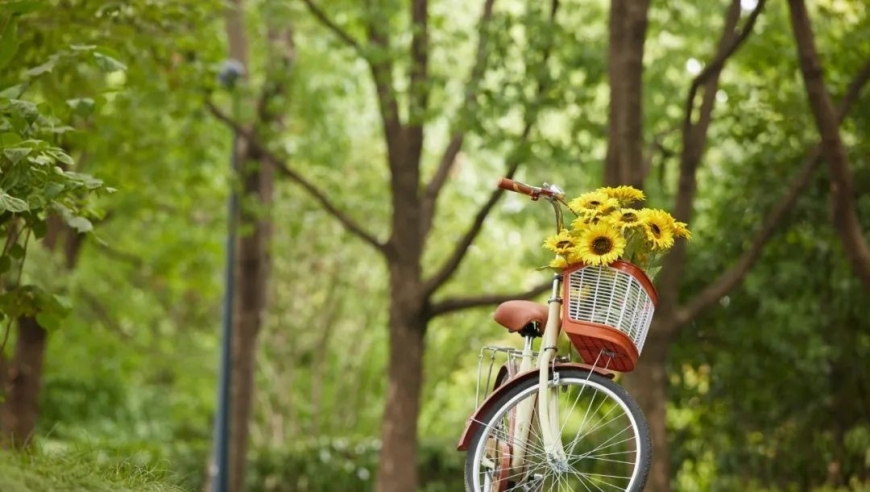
527 345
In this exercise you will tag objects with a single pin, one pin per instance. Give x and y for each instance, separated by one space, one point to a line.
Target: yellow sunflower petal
626 195
560 243
593 201
559 262
659 228
626 218
681 229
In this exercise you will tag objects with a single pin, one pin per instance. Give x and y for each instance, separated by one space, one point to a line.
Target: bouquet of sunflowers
607 229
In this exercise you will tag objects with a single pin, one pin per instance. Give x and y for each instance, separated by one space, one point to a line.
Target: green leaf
5 264
83 106
89 181
9 41
13 92
7 139
80 224
48 321
60 130
39 229
108 64
53 189
63 303
15 154
16 251
40 69
25 109
62 157
12 204
21 6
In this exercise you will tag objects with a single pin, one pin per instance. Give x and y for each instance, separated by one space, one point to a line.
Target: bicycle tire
636 484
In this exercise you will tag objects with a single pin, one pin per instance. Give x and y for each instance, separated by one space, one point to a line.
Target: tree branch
450 305
715 67
450 266
382 73
324 201
833 150
694 142
448 157
418 100
332 26
733 276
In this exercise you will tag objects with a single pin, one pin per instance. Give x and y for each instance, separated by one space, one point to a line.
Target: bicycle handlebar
533 191
550 191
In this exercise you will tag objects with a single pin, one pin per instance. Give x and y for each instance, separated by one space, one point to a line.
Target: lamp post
230 72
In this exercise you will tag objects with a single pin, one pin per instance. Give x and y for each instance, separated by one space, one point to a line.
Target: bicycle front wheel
604 438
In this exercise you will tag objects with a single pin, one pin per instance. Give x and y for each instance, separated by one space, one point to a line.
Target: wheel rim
599 433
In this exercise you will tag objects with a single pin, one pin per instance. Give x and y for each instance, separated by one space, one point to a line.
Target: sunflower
601 244
659 228
559 262
593 202
681 229
626 218
560 243
626 195
585 221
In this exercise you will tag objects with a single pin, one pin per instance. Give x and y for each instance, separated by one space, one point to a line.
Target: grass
76 473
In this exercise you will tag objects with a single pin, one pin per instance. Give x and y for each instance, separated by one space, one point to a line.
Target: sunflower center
593 204
602 245
563 244
655 230
629 217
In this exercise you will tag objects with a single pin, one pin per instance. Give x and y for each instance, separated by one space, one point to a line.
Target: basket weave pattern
610 308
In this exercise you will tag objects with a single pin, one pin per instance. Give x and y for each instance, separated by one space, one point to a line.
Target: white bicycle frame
548 411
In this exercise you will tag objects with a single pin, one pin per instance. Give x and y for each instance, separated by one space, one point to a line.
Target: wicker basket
607 312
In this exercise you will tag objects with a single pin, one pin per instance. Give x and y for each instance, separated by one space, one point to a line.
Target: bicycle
516 438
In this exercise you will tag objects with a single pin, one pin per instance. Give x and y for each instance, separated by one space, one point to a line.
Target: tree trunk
628 23
648 384
252 266
20 409
397 470
251 272
22 380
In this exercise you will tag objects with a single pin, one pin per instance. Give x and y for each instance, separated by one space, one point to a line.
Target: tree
413 295
43 198
649 382
832 149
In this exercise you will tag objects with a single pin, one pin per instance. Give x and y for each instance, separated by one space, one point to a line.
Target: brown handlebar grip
515 186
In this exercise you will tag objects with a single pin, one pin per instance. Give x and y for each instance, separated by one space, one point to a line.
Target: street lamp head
231 70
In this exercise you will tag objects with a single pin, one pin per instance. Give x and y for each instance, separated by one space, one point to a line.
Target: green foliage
37 179
47 472
764 386
325 465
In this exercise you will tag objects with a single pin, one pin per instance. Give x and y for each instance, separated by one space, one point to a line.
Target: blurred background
761 383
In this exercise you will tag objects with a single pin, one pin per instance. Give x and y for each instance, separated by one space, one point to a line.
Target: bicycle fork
523 418
547 398
548 410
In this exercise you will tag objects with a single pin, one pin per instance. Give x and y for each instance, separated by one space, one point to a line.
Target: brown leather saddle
524 317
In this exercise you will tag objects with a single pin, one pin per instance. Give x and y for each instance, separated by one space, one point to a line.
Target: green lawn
41 473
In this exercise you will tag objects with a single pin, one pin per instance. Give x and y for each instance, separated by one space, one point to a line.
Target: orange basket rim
627 267
577 330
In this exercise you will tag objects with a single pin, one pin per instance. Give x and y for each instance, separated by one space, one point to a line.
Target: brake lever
555 196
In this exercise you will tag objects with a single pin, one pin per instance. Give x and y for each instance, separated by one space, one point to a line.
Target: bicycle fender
473 421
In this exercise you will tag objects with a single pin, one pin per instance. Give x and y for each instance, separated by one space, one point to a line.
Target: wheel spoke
611 426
